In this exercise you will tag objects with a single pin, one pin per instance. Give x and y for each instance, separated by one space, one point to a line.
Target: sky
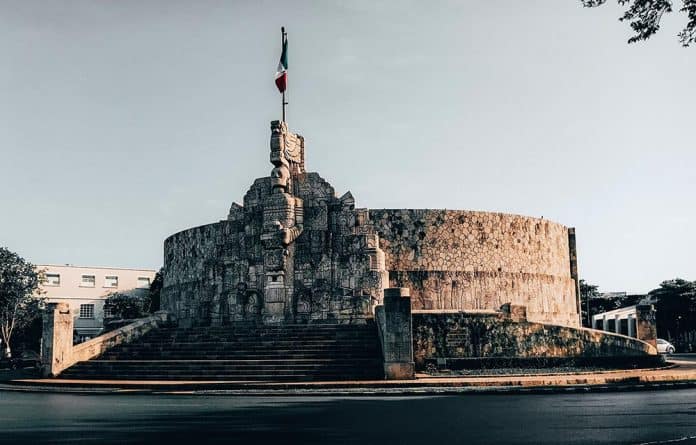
123 122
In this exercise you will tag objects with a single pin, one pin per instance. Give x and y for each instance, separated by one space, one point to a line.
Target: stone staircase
247 353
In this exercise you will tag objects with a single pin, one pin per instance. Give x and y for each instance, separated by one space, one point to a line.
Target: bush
127 306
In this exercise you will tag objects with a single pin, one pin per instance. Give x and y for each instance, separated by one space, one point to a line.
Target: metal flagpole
283 36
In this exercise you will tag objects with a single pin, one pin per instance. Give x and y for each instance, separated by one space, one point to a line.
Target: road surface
644 417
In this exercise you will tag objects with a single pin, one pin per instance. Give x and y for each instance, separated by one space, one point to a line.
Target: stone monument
295 252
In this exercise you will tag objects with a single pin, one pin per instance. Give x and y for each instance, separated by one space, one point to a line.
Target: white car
664 347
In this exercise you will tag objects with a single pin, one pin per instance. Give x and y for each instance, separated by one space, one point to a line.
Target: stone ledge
98 345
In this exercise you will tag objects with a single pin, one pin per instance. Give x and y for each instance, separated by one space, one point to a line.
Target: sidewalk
680 374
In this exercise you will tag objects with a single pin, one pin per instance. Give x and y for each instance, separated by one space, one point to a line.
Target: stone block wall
489 334
295 252
218 274
465 260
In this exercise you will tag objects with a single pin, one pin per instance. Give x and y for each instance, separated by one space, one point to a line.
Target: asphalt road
646 417
682 357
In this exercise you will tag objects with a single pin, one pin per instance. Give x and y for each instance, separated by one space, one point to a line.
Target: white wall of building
85 289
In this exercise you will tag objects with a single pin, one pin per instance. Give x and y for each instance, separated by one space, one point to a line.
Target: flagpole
283 36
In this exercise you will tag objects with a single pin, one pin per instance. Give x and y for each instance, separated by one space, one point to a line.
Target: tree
19 286
156 289
127 306
676 311
588 293
644 17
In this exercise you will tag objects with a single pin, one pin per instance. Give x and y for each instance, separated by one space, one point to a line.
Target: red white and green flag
281 77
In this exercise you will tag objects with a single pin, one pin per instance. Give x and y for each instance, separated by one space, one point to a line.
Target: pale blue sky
122 122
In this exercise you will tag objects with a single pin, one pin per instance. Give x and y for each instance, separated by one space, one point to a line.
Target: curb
574 373
674 376
363 391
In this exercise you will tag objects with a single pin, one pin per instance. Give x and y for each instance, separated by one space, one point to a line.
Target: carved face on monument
277 144
279 178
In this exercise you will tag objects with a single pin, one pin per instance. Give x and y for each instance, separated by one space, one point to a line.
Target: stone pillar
617 324
573 255
605 323
631 325
57 340
398 337
646 328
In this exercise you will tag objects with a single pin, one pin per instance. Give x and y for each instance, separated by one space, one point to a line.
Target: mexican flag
281 77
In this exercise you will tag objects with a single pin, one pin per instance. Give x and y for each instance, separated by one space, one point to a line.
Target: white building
620 321
85 289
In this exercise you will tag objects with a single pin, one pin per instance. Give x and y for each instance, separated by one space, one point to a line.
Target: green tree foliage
594 303
127 306
155 290
588 296
19 286
644 17
676 312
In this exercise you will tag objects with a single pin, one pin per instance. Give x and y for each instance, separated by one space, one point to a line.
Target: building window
83 338
52 279
87 281
143 282
108 312
110 281
86 311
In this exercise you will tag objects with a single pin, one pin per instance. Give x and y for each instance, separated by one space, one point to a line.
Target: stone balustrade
58 352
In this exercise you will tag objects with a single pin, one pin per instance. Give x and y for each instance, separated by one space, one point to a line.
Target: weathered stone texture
58 352
452 259
57 339
496 334
295 252
646 328
395 329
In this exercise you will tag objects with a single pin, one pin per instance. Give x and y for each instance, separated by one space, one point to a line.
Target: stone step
189 357
260 342
222 375
125 368
280 340
213 361
231 347
261 353
235 356
214 372
229 357
284 327
340 335
244 348
230 367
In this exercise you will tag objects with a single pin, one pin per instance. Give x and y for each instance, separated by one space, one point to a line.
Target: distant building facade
620 321
85 289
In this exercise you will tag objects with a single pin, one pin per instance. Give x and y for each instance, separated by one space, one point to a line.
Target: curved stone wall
189 264
463 335
294 252
237 271
466 260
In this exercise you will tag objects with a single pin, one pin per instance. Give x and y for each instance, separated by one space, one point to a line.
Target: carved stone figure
301 254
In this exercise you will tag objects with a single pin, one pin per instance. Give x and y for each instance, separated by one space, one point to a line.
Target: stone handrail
98 345
58 352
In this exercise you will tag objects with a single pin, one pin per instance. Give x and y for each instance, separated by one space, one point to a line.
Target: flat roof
95 267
